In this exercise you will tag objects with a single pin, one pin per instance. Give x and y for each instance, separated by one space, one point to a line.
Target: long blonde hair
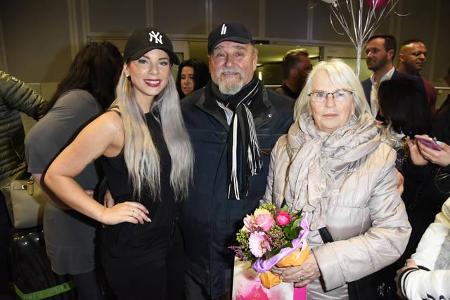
141 155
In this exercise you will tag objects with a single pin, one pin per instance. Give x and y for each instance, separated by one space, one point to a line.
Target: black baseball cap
143 40
234 32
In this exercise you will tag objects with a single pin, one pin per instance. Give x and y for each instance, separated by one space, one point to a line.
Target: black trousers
159 279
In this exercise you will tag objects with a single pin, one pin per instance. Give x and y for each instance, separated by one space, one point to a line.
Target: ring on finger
300 279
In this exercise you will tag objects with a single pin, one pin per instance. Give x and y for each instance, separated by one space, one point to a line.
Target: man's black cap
234 32
143 40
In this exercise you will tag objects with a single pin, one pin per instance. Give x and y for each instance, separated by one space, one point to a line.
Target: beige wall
38 39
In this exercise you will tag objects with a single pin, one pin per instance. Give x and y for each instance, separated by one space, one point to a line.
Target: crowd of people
176 165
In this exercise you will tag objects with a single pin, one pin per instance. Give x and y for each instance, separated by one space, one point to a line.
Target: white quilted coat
362 208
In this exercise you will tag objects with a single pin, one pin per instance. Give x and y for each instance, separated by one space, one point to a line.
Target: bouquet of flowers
270 237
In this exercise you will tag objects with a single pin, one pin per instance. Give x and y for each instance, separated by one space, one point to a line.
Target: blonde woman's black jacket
210 220
15 97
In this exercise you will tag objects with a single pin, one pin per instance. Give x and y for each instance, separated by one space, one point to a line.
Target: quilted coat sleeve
433 254
277 173
382 243
17 95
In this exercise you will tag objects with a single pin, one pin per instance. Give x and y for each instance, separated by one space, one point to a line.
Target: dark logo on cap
155 36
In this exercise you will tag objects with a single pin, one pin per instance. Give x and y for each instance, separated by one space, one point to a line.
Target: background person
412 58
139 142
192 75
406 114
296 67
380 53
333 166
86 91
15 97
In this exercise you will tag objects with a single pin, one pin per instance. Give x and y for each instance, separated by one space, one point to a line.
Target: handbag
32 276
25 201
378 285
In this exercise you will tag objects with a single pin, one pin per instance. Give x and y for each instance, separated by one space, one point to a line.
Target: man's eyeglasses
321 96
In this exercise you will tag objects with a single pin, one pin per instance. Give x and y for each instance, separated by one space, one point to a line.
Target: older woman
332 165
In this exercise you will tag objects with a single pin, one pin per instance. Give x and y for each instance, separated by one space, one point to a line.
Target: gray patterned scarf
320 161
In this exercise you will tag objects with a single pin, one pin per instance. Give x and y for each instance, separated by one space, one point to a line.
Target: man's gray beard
228 88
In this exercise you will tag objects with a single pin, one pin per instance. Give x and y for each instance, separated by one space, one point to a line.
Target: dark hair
201 74
390 42
405 106
290 60
96 69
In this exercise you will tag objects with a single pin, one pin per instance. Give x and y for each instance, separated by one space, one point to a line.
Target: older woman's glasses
338 95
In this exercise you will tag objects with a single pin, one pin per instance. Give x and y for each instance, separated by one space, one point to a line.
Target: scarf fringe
254 158
234 183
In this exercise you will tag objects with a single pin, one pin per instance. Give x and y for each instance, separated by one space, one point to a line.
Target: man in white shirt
380 51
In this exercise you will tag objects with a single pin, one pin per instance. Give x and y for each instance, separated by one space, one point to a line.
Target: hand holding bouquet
272 237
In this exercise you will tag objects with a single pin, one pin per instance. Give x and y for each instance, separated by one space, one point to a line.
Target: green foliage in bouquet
266 232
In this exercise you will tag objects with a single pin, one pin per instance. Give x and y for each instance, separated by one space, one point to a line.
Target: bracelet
402 278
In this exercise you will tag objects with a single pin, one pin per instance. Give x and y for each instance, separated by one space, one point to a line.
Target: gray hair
341 75
141 155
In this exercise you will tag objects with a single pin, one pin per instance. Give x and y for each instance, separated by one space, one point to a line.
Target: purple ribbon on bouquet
262 266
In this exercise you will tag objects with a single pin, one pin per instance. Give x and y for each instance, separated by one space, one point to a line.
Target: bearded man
380 52
234 122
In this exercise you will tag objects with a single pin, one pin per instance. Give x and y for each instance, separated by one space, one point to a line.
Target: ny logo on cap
155 35
223 31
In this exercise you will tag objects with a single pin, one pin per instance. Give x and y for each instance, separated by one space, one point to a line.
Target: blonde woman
138 142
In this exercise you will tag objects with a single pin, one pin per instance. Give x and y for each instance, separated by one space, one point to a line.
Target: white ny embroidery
224 29
155 35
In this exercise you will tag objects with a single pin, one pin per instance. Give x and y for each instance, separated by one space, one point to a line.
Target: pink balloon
377 4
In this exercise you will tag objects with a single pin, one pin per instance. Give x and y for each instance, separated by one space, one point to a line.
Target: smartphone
430 143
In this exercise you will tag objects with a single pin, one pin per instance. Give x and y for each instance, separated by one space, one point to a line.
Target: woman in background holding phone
408 125
436 152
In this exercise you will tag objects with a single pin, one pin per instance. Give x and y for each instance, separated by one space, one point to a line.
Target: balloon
377 4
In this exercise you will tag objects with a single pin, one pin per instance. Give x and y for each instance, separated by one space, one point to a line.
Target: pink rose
283 218
258 243
265 222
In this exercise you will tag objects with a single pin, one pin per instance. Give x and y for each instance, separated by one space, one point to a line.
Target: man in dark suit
413 55
380 51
